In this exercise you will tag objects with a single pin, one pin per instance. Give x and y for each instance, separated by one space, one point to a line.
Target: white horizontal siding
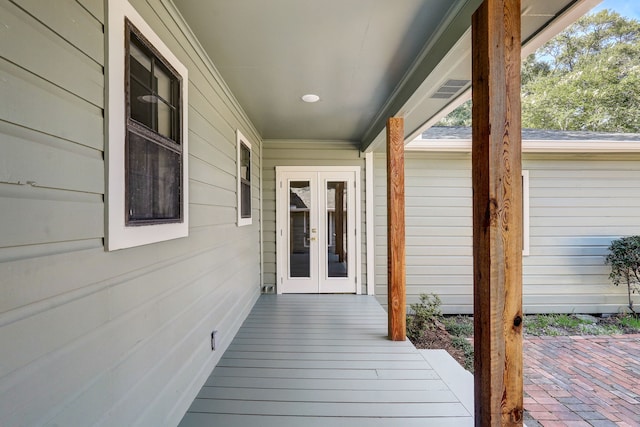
108 338
578 204
438 228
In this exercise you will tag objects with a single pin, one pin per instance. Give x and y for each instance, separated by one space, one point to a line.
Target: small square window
244 180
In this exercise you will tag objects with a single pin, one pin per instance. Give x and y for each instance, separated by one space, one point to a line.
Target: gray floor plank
200 420
327 396
326 384
392 357
323 360
356 374
323 348
335 409
322 364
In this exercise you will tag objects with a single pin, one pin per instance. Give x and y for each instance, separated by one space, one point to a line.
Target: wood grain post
396 277
497 214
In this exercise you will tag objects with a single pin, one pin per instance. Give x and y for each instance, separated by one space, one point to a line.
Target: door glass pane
337 228
299 206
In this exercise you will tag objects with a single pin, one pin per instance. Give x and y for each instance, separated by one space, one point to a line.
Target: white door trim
369 218
281 250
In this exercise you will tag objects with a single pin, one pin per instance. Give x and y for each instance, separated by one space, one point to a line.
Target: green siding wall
578 204
304 153
108 338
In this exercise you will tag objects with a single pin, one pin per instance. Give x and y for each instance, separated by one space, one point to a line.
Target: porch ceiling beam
396 280
497 213
431 55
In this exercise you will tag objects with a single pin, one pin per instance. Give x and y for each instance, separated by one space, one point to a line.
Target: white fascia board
530 146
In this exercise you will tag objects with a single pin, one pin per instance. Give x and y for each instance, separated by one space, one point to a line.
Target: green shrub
467 348
423 315
569 321
624 259
461 326
631 322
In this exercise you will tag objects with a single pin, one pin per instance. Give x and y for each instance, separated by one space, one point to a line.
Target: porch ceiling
366 59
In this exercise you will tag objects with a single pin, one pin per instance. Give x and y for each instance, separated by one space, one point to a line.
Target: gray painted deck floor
324 360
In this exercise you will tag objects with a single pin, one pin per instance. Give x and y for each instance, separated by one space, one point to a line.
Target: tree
624 259
586 78
461 116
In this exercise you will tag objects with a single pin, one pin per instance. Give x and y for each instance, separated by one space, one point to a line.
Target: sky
628 8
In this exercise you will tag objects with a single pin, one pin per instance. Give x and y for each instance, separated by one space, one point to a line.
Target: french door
317 230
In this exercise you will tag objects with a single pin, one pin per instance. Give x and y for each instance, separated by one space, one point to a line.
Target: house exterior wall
304 153
89 337
578 204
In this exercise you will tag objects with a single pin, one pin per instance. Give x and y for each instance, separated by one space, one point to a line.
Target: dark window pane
299 224
154 91
165 120
245 199
154 157
245 181
163 79
337 223
245 162
141 101
153 181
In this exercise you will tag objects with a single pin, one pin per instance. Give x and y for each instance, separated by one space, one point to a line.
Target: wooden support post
497 213
396 278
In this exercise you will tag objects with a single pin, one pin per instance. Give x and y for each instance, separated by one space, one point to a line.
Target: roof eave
412 90
530 146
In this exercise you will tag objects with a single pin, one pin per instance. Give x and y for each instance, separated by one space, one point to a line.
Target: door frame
281 249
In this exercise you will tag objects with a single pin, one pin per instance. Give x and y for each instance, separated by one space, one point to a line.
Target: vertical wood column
497 213
396 277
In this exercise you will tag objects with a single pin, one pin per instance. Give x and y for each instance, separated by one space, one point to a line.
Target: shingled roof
464 133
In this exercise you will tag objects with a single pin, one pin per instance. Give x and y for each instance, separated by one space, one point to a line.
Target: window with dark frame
153 145
245 181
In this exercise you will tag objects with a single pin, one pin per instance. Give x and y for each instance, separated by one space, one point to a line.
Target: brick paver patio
582 381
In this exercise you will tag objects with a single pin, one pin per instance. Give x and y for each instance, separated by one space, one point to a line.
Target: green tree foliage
624 259
424 315
586 78
461 116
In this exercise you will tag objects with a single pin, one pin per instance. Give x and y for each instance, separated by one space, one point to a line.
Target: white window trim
241 139
525 213
118 235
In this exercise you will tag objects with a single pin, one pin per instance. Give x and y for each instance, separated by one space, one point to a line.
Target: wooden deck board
201 419
322 364
323 360
322 409
326 384
328 396
398 357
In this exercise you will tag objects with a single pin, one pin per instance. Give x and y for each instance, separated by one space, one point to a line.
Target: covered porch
325 360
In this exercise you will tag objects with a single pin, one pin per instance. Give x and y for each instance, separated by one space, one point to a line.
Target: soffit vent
450 88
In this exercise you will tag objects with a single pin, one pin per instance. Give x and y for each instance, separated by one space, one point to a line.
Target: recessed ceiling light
310 97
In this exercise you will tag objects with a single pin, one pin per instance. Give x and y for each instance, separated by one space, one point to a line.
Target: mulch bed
439 338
